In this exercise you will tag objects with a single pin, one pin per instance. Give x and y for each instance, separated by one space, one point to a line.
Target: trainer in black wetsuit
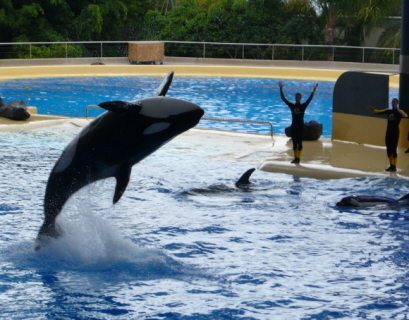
392 131
297 124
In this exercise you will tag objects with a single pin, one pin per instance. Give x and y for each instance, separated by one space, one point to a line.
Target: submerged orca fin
121 106
122 176
404 197
244 179
164 86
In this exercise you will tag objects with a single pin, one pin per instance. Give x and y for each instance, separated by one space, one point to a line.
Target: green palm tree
374 13
390 38
367 14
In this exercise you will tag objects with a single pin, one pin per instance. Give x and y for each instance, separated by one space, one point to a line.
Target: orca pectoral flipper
244 179
121 106
122 176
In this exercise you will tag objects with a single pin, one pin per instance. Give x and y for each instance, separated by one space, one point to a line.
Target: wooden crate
146 52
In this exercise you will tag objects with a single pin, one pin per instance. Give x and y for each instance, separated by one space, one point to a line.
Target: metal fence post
393 56
27 97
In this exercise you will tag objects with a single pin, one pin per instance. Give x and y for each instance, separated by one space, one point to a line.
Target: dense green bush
233 21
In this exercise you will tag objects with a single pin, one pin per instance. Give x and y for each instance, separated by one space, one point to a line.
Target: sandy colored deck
322 159
7 73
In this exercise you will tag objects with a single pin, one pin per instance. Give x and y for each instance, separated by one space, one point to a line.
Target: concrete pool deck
322 159
305 70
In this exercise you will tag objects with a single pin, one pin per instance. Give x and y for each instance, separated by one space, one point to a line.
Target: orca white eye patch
156 127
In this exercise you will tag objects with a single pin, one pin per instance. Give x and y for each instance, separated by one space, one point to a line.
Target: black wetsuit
297 113
392 130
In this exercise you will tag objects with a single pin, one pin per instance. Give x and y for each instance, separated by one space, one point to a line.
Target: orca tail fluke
245 178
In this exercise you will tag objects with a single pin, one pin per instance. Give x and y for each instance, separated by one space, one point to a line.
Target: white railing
299 52
244 121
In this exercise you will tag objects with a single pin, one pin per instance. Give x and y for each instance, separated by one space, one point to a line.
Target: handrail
204 44
244 121
209 119
91 106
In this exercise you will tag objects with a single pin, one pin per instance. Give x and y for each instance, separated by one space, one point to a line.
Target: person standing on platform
392 131
297 124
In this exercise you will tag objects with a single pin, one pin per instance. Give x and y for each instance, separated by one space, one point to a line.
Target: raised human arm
311 95
288 103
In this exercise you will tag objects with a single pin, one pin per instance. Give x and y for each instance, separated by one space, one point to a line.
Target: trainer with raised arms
297 124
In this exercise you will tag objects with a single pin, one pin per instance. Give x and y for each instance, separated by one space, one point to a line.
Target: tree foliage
70 20
235 21
353 17
332 22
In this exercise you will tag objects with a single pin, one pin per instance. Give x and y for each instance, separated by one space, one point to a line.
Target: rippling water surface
280 250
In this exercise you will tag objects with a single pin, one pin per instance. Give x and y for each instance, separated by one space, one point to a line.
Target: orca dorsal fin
164 86
121 106
122 175
405 197
244 179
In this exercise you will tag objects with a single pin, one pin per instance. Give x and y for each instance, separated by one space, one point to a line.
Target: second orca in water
242 184
370 201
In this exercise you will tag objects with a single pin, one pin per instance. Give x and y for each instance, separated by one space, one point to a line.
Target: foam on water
90 244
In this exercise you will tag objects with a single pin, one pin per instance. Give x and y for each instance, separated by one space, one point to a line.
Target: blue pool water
231 98
280 251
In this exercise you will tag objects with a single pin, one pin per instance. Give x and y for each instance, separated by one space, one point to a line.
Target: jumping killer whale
242 184
371 201
111 144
